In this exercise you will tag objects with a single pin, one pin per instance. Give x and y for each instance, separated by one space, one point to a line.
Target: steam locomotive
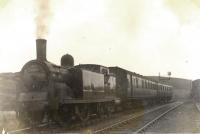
68 92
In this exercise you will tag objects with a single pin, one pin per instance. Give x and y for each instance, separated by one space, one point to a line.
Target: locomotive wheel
36 116
31 117
82 112
23 117
109 108
100 110
65 115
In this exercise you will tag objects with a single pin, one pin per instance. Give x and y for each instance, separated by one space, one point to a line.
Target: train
67 92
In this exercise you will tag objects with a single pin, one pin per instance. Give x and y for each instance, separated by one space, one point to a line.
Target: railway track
26 129
142 129
198 106
121 123
46 127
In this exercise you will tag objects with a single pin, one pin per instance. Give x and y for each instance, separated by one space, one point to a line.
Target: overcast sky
144 36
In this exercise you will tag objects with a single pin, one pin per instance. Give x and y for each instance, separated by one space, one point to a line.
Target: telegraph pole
164 79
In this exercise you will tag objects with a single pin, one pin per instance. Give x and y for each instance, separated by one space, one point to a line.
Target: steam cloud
42 17
183 9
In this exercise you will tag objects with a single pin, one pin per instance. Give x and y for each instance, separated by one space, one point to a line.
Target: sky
144 36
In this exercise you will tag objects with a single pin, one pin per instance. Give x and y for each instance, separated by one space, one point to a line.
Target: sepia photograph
99 66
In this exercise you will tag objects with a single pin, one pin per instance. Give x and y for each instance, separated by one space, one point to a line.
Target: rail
27 128
133 116
155 119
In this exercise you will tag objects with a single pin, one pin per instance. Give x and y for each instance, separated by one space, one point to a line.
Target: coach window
137 82
133 81
105 71
142 83
147 84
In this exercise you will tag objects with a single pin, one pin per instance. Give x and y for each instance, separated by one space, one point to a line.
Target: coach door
129 85
134 85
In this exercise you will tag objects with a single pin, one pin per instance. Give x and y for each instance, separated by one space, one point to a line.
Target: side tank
91 85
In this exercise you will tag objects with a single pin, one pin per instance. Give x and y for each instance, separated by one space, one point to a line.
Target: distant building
182 87
196 90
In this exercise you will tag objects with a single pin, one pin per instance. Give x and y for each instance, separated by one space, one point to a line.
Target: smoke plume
42 17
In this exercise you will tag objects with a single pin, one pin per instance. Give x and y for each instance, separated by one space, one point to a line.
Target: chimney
41 49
